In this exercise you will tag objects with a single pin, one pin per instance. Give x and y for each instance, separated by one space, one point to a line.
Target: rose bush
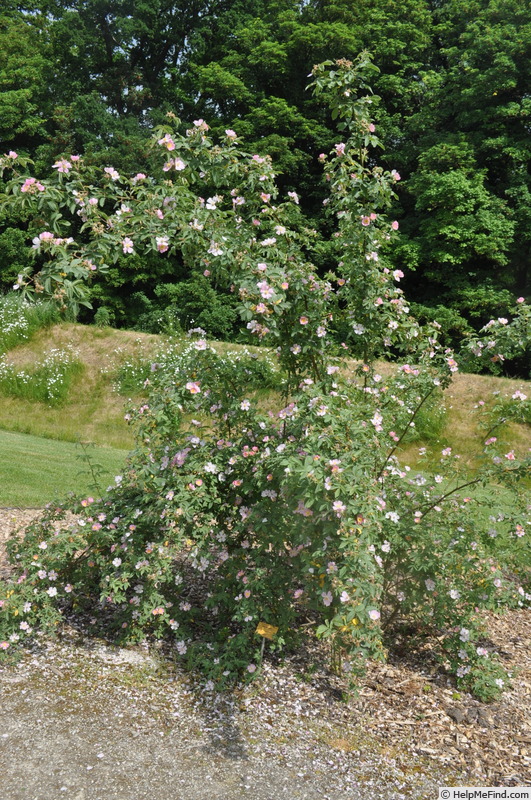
231 514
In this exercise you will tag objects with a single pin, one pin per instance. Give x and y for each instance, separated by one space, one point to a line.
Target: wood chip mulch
491 742
410 706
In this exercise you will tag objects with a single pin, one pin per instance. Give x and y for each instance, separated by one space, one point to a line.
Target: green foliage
93 470
23 77
128 289
482 302
507 410
454 117
454 326
257 371
14 256
196 304
465 223
502 340
229 516
429 422
103 317
474 123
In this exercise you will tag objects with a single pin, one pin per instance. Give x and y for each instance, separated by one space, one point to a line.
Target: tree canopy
451 104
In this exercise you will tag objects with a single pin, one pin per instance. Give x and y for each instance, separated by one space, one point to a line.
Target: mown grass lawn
35 471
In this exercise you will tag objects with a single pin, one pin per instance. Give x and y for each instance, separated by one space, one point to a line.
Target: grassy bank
38 461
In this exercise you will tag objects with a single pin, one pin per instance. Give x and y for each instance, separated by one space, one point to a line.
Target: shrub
501 340
195 302
104 317
14 256
454 326
230 518
258 371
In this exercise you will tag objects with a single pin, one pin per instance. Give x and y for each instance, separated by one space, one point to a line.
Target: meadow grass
94 408
48 381
467 402
20 321
35 470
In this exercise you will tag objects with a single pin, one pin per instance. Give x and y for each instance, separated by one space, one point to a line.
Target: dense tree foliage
452 106
470 177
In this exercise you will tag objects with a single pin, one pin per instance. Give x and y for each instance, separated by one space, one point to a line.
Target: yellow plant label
265 630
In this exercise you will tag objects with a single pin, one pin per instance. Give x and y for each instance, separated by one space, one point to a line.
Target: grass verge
20 321
35 471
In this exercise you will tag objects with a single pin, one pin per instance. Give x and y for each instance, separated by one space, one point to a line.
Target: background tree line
454 112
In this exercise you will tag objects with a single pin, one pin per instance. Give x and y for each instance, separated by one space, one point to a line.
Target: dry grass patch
462 398
97 348
95 410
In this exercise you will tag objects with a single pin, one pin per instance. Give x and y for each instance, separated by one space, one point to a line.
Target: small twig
497 425
444 496
406 429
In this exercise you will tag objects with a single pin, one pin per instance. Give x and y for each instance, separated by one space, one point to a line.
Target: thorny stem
406 429
497 425
444 496
94 469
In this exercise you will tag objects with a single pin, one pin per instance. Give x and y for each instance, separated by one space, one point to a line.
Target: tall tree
94 76
472 158
116 64
250 70
24 76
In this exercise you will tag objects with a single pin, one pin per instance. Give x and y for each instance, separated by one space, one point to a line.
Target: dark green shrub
15 256
196 304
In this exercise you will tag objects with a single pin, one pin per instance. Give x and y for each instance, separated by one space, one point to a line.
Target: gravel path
88 722
82 720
